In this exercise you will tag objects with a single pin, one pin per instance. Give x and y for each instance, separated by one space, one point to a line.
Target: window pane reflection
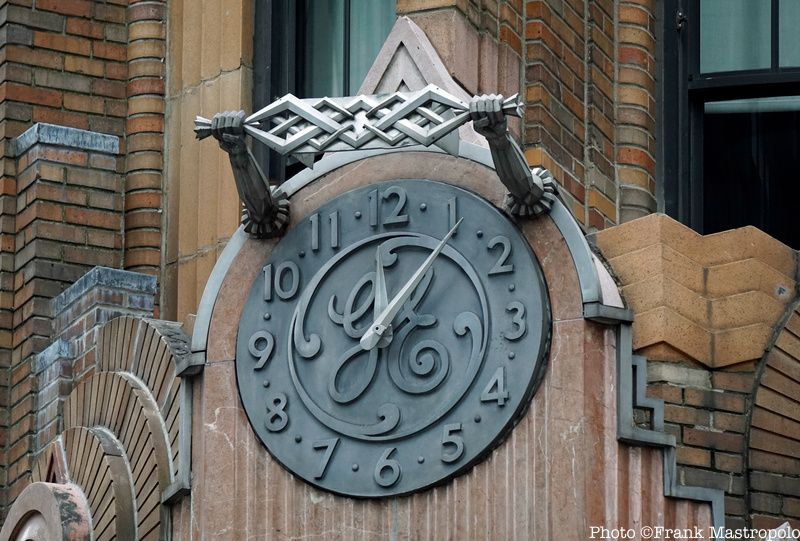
734 35
789 33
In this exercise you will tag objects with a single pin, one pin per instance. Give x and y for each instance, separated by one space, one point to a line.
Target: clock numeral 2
277 418
502 266
334 221
261 346
395 217
386 463
495 390
329 446
449 437
277 281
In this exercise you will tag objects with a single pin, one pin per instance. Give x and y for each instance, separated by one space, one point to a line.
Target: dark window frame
683 93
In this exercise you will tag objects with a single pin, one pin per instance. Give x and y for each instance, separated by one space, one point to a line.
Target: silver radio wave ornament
297 126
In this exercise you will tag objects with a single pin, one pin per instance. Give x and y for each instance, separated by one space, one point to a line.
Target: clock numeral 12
277 280
334 221
396 217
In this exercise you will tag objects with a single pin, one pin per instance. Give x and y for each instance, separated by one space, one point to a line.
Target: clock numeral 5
261 346
495 390
396 217
449 437
278 279
277 418
386 463
329 446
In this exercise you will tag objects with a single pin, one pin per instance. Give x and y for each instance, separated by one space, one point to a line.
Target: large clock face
453 370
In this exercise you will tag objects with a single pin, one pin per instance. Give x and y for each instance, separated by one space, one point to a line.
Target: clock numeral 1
329 446
449 437
452 213
277 281
334 218
495 390
386 463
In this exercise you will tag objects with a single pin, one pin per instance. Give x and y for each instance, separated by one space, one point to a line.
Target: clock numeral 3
495 390
517 321
277 418
449 437
278 281
329 446
396 216
261 346
502 266
386 463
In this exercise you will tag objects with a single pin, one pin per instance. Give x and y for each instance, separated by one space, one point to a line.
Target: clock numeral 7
396 216
287 271
329 446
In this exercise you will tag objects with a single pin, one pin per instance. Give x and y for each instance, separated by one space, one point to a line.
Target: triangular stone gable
408 61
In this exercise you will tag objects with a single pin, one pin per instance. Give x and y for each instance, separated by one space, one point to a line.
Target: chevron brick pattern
712 299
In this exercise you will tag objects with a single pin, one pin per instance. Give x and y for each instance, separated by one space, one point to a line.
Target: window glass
751 155
789 33
735 35
323 49
370 23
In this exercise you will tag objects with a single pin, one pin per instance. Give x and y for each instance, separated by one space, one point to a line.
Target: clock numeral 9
278 281
517 321
495 390
502 266
329 446
261 346
277 419
450 438
386 463
396 217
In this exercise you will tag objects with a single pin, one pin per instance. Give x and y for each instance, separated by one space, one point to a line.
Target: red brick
111 13
80 8
82 102
116 71
110 51
112 89
722 441
27 94
726 401
693 456
63 118
82 27
93 218
140 200
87 66
147 123
68 44
146 86
146 11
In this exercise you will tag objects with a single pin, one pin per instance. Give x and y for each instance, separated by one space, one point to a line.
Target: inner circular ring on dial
339 387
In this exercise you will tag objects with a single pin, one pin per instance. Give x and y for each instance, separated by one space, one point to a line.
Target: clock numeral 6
386 463
329 446
261 346
277 419
502 266
449 437
495 390
278 279
396 217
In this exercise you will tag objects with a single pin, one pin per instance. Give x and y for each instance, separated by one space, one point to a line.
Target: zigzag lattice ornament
294 126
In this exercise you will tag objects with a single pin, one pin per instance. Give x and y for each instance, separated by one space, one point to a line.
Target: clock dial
460 332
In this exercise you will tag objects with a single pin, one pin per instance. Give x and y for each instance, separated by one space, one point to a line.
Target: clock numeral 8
277 281
386 463
277 419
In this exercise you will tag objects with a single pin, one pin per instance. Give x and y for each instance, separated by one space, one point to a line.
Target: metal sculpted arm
532 192
266 211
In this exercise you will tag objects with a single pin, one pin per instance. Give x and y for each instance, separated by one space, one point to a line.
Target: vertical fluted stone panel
145 135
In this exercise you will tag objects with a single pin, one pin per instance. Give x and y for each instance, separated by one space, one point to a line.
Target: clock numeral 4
449 437
261 346
277 418
502 266
397 215
284 281
495 390
384 465
329 446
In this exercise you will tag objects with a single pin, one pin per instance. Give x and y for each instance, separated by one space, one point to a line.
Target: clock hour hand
381 296
383 321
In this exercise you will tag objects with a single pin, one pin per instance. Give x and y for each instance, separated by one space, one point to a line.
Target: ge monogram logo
394 336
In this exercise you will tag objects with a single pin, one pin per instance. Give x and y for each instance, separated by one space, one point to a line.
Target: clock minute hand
384 319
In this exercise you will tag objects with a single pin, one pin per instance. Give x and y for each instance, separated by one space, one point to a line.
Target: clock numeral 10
495 390
277 281
385 463
396 216
334 221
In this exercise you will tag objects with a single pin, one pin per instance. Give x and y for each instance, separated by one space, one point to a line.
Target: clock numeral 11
334 221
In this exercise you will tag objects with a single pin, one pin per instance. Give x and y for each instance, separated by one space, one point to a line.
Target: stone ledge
52 134
104 276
